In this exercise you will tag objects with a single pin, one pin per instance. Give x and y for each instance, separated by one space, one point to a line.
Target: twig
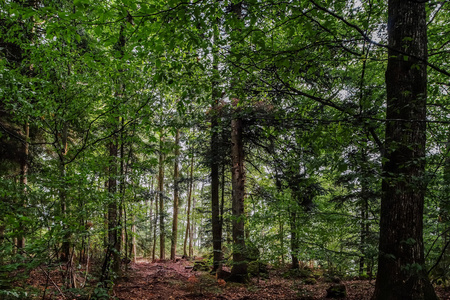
56 286
439 258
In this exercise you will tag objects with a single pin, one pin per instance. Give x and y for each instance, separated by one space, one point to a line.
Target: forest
242 143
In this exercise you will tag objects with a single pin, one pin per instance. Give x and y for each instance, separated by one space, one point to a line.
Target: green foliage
85 75
100 292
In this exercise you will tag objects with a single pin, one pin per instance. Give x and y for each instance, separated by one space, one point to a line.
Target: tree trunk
363 234
188 223
215 159
192 230
280 220
176 175
133 241
215 205
122 175
445 211
24 179
401 264
155 224
294 240
364 216
150 218
113 214
162 237
239 270
65 248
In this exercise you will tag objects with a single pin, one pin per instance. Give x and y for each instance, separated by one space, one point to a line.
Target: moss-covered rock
201 265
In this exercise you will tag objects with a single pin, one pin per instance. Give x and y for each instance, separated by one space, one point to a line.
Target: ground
169 280
178 280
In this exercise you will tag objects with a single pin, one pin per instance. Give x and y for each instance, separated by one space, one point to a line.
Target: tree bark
188 224
162 238
150 216
65 248
281 233
401 264
24 178
122 220
239 270
445 210
364 215
294 240
176 175
155 225
133 240
192 229
113 215
215 159
363 234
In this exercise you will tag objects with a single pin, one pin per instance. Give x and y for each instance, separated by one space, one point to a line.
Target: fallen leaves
172 280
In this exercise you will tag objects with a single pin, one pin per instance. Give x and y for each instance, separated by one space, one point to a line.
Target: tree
215 158
189 214
162 234
239 270
401 264
176 175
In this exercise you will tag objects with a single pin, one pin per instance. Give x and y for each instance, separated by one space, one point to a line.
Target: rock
337 291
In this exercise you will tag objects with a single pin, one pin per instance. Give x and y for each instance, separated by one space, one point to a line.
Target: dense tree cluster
259 130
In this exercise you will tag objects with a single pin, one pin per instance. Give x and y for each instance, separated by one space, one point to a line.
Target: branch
367 38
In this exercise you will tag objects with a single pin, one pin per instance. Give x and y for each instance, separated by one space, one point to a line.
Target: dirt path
169 280
159 280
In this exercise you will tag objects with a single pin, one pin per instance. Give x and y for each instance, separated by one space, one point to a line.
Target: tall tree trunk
215 160
294 239
133 240
401 264
122 176
445 211
114 208
65 248
176 175
192 229
150 217
155 225
364 215
113 213
281 233
188 222
124 236
362 234
162 237
239 270
24 179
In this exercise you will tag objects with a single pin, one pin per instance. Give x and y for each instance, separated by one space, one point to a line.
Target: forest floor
170 280
177 280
